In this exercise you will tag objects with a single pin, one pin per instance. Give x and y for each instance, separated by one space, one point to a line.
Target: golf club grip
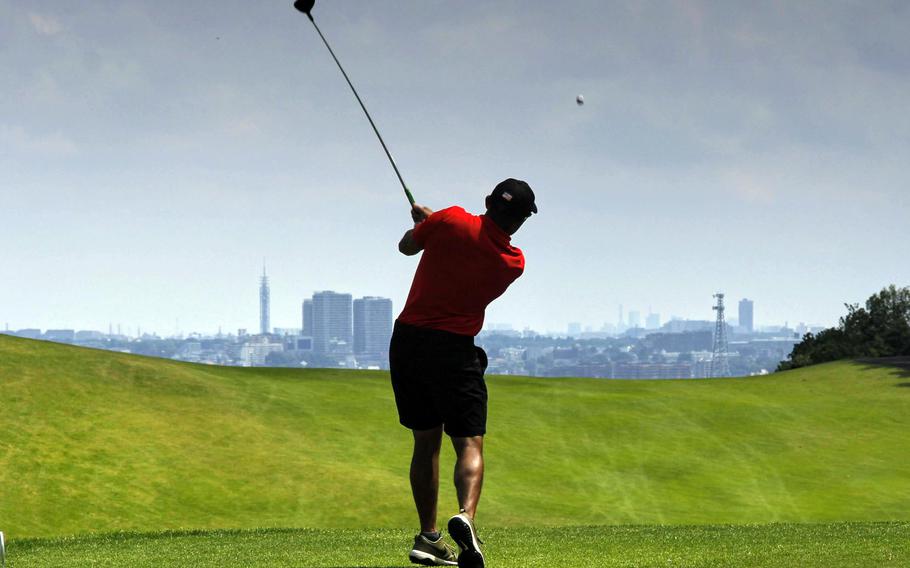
388 154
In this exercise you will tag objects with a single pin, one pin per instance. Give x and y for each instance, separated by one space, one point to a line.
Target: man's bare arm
407 245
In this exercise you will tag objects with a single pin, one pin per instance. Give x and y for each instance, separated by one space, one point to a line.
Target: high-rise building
307 328
264 324
745 315
372 327
634 319
653 321
332 323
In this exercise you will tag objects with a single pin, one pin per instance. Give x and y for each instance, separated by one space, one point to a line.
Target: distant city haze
152 154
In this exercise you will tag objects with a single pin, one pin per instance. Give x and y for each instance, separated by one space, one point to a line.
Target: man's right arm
407 245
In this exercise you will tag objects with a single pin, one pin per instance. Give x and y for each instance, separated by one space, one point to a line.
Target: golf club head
2 551
305 6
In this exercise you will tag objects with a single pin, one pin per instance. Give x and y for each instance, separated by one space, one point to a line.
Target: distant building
491 331
300 343
254 352
574 329
333 328
191 351
634 319
683 342
307 316
264 304
653 321
701 369
89 335
745 315
285 331
680 326
652 371
372 328
636 333
60 335
29 333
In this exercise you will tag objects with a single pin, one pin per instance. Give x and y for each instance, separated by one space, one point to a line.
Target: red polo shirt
467 263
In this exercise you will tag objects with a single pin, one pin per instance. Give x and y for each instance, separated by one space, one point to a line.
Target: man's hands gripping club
406 245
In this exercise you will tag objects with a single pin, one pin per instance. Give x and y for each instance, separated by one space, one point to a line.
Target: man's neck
500 223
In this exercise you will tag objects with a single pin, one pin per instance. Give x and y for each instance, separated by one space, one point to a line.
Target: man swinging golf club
437 371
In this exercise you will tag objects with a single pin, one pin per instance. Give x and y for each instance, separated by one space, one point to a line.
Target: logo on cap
507 196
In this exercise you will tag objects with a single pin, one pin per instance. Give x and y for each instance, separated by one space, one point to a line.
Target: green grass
92 441
876 545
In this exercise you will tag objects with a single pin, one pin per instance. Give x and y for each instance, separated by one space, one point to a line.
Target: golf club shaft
404 186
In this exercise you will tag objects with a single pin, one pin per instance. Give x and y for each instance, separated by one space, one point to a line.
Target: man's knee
472 445
427 442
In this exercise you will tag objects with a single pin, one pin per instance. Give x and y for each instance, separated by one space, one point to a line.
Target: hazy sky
152 153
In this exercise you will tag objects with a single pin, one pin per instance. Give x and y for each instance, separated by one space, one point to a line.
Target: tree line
881 328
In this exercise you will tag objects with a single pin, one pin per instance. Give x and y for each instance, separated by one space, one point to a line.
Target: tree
879 329
284 359
882 328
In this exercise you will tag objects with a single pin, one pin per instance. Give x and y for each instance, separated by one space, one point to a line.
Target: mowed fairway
855 545
94 441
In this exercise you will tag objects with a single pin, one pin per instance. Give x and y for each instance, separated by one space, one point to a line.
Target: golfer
437 371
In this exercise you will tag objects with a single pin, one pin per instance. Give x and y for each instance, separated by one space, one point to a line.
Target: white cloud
45 25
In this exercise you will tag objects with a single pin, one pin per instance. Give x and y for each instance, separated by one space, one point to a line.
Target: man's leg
468 472
425 475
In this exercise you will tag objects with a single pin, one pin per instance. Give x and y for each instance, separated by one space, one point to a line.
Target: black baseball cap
515 197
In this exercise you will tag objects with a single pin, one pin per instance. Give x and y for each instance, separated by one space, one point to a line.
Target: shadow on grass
899 364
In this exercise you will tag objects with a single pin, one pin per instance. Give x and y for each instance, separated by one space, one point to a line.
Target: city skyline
627 319
569 328
338 331
154 152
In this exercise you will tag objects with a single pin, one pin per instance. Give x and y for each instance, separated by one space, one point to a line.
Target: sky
153 154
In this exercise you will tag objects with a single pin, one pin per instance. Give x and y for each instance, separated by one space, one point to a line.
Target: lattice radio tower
720 363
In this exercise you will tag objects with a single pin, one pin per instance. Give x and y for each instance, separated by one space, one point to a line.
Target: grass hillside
92 441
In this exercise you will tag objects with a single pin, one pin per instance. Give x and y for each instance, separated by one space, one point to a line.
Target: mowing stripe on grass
872 545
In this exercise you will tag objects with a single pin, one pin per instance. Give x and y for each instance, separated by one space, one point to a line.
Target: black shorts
437 377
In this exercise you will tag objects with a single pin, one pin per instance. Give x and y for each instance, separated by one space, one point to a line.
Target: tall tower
720 364
745 314
264 324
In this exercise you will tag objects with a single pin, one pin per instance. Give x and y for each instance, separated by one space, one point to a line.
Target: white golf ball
580 100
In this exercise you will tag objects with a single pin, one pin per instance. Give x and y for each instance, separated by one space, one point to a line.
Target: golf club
2 551
306 6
